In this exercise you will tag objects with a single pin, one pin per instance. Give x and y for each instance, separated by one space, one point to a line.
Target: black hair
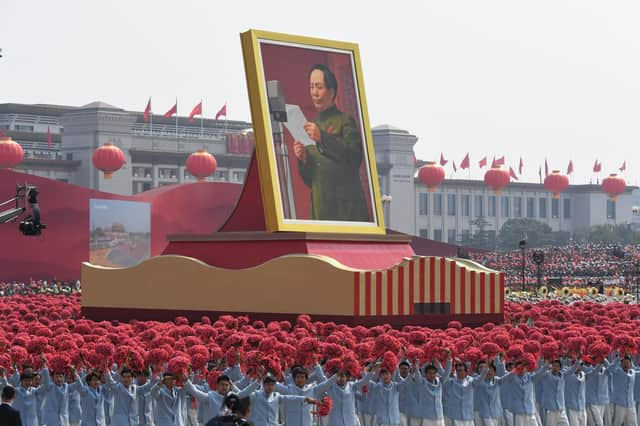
8 393
167 374
144 373
430 367
223 378
299 370
91 376
26 376
461 364
125 371
330 80
491 366
269 379
239 406
25 366
404 363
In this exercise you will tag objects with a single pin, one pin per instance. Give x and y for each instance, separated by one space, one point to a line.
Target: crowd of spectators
575 265
10 288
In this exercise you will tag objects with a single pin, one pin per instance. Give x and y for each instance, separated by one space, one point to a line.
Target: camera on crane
25 195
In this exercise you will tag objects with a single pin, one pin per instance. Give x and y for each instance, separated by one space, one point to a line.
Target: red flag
443 162
546 168
415 159
147 111
173 111
466 162
197 110
48 136
570 167
520 166
597 167
623 167
483 163
455 169
512 174
499 161
222 111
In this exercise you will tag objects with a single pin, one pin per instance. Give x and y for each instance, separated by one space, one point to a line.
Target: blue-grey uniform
460 392
169 408
596 393
145 405
487 396
575 398
623 383
123 408
265 408
297 412
553 388
92 403
55 403
429 394
386 397
344 404
408 399
75 411
26 403
521 399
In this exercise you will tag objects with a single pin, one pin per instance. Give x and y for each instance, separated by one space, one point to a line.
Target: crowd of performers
581 391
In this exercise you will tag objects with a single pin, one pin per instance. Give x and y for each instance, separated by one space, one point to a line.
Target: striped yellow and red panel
468 287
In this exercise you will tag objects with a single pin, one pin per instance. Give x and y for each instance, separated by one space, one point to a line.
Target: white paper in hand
295 125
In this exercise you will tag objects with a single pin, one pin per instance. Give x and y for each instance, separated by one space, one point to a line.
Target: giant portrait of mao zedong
313 140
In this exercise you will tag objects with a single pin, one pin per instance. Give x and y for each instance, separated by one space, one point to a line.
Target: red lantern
556 183
201 164
497 178
108 158
431 175
11 153
613 185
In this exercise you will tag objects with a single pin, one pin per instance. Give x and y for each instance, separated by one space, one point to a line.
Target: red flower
324 407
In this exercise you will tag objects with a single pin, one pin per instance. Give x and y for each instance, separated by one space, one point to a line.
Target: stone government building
156 155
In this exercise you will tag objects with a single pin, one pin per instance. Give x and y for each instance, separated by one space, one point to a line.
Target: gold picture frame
272 165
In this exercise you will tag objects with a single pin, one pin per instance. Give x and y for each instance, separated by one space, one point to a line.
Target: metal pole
523 261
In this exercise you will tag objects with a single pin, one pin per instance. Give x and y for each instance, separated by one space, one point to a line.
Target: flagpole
150 118
201 120
225 118
176 119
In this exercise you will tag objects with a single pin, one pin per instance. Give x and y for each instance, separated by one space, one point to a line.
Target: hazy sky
547 78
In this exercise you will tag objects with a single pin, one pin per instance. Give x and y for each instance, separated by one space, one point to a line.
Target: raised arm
447 372
195 392
317 374
365 380
480 378
325 385
540 372
283 389
254 385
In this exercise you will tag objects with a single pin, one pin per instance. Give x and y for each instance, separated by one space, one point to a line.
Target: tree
536 233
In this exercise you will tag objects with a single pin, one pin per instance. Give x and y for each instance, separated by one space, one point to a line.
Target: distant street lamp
523 247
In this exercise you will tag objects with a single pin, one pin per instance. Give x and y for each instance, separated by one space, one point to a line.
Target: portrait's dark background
291 65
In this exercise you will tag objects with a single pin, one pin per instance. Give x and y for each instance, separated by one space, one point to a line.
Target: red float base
239 250
396 321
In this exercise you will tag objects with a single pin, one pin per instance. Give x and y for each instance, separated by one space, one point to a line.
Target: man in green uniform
331 168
